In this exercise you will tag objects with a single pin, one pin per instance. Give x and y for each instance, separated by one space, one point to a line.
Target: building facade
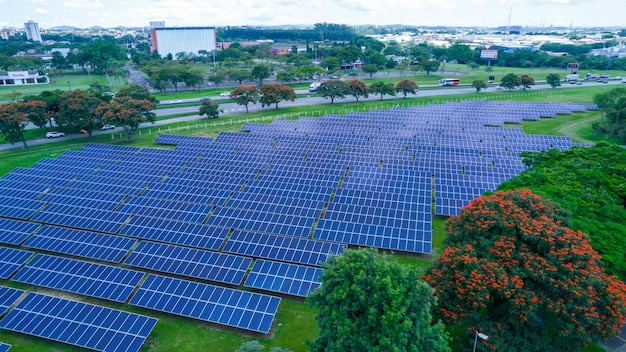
174 40
22 78
32 31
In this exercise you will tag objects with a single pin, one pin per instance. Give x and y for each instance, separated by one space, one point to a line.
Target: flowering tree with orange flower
515 271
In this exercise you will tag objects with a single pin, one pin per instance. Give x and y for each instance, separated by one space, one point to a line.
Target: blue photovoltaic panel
19 208
79 324
297 280
283 248
8 296
10 260
81 243
14 231
4 347
90 279
191 262
176 232
241 309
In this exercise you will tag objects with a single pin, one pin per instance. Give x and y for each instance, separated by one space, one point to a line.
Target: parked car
55 134
225 94
107 127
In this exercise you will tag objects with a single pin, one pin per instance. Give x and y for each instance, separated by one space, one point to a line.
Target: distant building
32 31
5 33
22 78
174 40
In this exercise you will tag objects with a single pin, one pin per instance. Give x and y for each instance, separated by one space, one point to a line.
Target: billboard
489 54
572 65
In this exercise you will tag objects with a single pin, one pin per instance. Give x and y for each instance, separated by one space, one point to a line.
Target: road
304 99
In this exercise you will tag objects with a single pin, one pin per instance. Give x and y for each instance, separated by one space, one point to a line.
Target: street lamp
482 336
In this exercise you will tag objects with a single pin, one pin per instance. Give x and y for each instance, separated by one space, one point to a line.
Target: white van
314 86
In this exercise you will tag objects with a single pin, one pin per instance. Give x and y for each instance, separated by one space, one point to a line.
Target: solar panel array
4 347
8 297
80 324
256 211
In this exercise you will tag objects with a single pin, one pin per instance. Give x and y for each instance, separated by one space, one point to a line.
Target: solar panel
283 248
19 208
90 279
297 280
79 324
176 232
81 243
11 259
240 309
4 347
14 231
190 262
8 296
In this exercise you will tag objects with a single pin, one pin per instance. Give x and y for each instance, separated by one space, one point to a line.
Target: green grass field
295 323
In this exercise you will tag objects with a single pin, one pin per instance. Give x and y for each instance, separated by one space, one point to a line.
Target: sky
218 13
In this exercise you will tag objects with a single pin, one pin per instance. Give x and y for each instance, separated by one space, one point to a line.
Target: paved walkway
616 343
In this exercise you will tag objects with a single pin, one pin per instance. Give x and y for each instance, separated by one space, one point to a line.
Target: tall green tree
371 303
333 88
275 93
210 108
382 88
553 79
370 69
261 72
244 95
513 270
430 66
510 81
51 98
357 88
479 85
613 107
239 75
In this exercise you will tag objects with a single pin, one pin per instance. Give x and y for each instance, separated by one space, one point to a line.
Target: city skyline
177 13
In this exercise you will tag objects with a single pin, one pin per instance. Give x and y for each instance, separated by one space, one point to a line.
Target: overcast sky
177 13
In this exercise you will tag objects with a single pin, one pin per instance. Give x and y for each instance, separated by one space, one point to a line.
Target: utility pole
508 26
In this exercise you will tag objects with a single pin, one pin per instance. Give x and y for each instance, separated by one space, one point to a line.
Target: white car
224 94
107 127
55 134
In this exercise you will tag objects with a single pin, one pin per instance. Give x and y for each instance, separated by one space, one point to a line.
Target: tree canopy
510 81
613 106
406 86
515 271
553 79
588 182
369 303
332 89
357 88
244 95
275 93
382 88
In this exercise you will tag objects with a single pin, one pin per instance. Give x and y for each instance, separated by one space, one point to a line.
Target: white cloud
82 4
41 11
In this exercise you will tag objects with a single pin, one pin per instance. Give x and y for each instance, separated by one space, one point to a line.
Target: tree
239 75
77 108
286 75
382 89
137 92
357 88
36 111
526 81
460 52
613 106
430 66
13 121
479 84
13 95
370 69
275 93
127 112
510 81
588 181
371 303
244 95
210 108
553 79
515 271
406 86
332 89
216 79
51 98
330 63
261 72
250 346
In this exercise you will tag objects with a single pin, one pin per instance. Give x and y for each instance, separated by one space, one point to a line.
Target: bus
449 82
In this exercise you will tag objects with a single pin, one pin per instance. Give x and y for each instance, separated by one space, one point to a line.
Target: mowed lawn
295 322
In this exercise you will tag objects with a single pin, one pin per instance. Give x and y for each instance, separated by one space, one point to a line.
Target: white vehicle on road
107 127
55 134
